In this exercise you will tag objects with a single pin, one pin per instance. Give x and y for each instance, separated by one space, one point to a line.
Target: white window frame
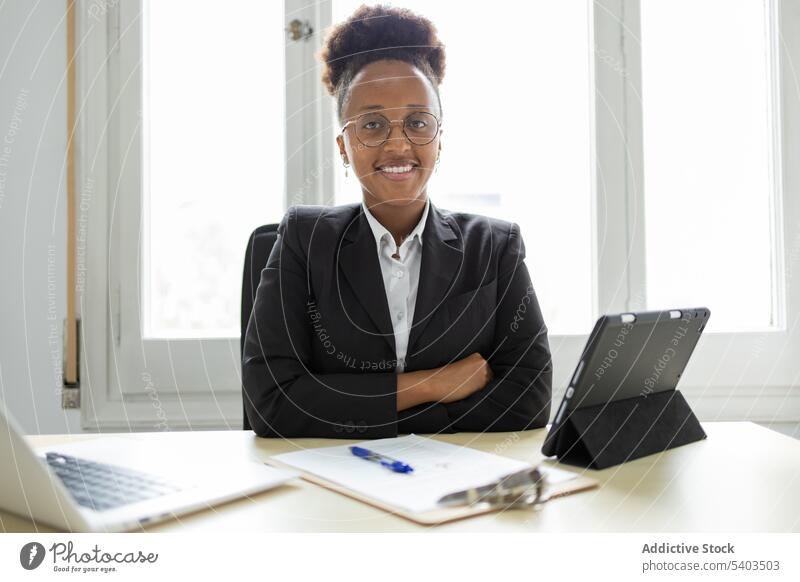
717 386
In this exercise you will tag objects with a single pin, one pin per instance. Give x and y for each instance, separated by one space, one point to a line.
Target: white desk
743 478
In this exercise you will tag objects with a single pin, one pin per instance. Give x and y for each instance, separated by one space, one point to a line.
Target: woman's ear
340 143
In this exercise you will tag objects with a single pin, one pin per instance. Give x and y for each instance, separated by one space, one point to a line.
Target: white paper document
439 468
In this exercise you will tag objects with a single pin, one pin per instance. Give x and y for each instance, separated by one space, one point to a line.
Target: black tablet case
605 435
620 429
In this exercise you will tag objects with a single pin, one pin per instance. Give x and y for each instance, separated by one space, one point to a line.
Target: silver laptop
74 487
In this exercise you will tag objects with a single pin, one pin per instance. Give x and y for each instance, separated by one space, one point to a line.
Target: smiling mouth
398 173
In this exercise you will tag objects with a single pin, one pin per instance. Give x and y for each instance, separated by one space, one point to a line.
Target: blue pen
388 462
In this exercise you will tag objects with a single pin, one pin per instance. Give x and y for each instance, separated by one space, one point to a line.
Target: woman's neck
398 220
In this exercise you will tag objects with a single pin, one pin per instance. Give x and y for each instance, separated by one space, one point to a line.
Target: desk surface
743 478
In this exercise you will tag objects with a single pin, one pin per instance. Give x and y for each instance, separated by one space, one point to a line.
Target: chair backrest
255 259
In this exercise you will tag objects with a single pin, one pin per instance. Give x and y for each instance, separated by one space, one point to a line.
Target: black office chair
255 259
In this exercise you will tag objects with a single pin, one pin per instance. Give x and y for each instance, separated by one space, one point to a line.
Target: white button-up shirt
400 277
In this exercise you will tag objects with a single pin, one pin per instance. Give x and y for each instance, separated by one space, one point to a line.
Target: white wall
33 212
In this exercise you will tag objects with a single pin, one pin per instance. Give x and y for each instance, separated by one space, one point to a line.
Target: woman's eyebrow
382 107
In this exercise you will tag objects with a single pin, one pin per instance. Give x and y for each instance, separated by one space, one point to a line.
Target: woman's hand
449 383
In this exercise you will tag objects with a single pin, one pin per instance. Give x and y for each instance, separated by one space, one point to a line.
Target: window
710 188
643 172
213 157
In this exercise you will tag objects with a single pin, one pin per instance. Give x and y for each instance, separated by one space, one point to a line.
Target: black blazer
319 354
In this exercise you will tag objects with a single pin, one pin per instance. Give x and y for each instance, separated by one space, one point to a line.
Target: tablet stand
608 434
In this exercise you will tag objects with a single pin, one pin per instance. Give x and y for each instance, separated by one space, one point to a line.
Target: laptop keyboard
100 486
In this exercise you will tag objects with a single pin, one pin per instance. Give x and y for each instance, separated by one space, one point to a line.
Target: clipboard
436 515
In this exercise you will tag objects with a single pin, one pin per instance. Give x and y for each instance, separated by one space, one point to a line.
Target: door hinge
71 391
300 30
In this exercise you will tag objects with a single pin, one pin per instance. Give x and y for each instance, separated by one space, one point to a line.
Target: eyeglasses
523 489
373 129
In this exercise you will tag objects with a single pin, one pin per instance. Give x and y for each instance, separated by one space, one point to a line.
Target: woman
393 315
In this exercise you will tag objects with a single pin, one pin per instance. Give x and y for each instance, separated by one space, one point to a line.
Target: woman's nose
397 139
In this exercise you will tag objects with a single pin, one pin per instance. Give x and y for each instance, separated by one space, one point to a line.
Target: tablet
629 355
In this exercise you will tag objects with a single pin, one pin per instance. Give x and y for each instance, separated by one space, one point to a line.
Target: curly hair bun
374 33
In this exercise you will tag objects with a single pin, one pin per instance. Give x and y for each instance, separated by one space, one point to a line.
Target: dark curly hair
374 33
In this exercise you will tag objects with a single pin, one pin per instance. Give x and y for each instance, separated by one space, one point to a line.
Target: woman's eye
417 123
372 125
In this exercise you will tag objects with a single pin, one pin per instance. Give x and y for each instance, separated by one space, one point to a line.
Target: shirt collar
380 232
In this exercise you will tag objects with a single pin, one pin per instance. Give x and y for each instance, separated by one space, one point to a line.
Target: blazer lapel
358 260
442 258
